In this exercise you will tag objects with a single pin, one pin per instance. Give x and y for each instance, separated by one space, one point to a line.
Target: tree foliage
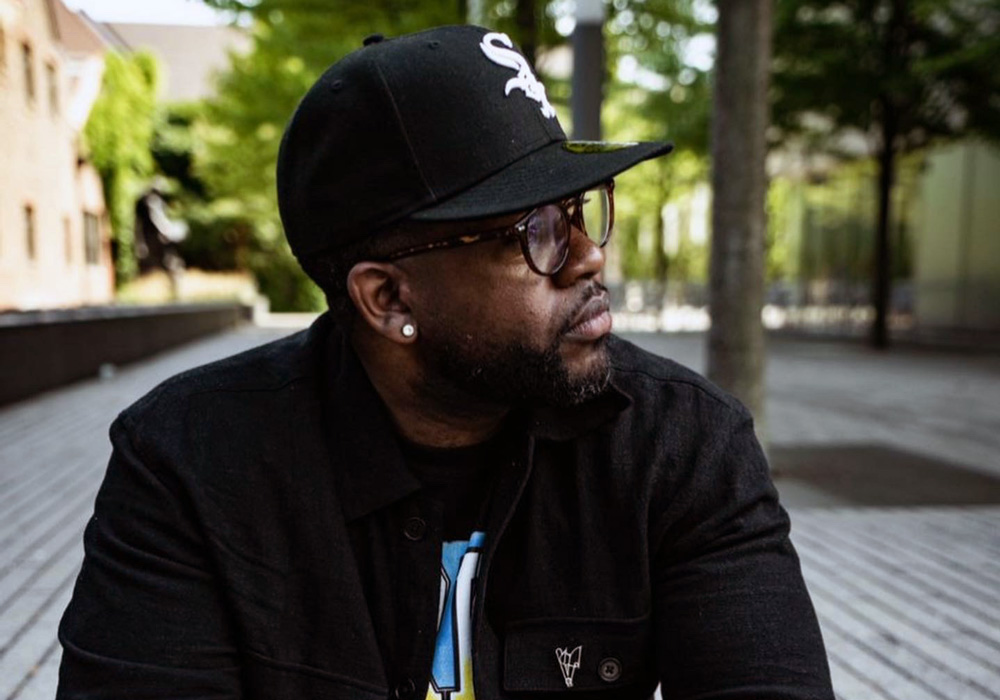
670 93
218 234
117 137
654 91
929 66
902 74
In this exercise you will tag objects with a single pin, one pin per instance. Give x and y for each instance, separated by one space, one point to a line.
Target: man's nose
585 259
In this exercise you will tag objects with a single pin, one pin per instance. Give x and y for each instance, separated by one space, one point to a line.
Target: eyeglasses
544 232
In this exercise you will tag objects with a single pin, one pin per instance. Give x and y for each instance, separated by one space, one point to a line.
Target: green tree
238 135
904 74
117 137
671 93
653 92
219 234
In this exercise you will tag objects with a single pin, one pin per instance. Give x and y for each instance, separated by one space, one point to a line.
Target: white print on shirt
451 673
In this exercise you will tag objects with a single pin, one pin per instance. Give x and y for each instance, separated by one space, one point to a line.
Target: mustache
593 290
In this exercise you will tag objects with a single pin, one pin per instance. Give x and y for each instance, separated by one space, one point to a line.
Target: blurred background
833 205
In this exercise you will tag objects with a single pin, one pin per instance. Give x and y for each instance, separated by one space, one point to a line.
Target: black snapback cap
442 125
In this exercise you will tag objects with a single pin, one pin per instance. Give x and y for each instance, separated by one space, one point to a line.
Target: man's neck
428 413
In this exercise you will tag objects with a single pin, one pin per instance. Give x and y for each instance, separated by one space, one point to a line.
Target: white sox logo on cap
524 80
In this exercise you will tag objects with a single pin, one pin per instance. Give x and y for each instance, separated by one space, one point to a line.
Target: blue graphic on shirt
451 673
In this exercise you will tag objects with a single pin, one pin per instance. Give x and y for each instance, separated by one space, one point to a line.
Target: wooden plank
860 648
36 572
33 645
902 609
882 561
18 523
920 644
28 538
910 553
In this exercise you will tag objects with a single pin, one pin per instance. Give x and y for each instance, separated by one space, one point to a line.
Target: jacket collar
360 433
361 436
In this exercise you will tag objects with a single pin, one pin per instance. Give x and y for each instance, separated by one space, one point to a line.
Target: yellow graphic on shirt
451 673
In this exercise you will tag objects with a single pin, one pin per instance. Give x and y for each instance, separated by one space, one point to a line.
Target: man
457 483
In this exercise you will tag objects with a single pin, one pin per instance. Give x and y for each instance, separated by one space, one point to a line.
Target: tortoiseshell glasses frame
543 233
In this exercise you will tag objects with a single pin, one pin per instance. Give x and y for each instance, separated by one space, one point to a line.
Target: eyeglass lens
597 215
548 231
548 238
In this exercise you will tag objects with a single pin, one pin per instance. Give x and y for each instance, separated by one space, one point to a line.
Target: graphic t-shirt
451 673
460 479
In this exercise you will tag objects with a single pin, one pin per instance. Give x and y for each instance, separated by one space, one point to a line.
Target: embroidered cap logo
504 55
569 661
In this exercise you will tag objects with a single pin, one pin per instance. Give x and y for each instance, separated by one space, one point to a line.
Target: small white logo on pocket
525 80
569 661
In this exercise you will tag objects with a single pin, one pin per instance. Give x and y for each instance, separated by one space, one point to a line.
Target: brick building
54 233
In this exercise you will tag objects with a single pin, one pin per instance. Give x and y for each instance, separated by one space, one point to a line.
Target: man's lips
593 320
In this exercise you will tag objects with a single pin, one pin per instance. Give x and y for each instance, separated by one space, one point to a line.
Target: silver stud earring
408 330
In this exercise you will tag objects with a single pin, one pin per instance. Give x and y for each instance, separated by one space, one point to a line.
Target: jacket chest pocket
583 656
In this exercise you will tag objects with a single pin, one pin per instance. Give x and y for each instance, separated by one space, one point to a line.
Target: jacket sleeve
147 618
733 617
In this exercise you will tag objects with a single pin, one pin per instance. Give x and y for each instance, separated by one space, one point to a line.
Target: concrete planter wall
45 349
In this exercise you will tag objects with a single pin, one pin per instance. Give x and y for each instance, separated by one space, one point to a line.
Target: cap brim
546 175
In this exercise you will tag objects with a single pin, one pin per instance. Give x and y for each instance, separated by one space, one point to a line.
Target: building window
29 72
91 239
68 239
29 230
53 82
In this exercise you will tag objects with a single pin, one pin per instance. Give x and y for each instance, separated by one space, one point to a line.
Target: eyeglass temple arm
446 243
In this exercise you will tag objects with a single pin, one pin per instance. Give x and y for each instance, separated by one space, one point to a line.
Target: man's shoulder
653 380
265 368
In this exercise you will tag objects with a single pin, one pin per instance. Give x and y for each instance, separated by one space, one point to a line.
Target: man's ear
377 290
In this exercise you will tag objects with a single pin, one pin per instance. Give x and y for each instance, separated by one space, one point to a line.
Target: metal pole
588 70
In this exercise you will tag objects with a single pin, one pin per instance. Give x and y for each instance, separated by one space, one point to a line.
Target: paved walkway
908 596
53 453
941 405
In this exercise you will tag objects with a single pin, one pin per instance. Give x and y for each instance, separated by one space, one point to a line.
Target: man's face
491 327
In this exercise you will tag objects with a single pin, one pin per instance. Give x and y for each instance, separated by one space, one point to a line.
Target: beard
514 372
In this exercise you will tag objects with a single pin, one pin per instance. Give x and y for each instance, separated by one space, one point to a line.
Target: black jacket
257 535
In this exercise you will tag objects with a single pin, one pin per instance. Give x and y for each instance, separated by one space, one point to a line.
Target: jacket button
415 529
610 669
404 690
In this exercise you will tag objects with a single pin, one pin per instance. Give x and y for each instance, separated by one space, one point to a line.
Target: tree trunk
527 29
739 182
661 263
892 106
882 279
